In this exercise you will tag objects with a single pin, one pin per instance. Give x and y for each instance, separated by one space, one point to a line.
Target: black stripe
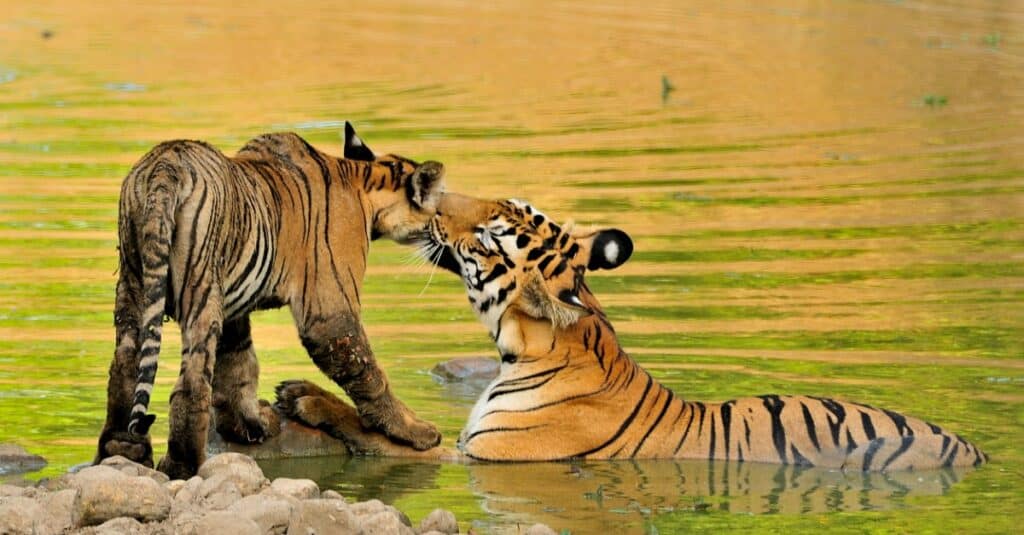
811 428
625 423
774 406
685 432
726 424
869 428
664 409
905 444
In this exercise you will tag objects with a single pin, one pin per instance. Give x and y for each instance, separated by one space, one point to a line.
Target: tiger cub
567 390
206 239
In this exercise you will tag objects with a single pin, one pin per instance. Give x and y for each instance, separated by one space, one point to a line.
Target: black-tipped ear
355 149
426 185
611 248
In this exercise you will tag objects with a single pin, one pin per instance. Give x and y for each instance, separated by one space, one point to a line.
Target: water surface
826 199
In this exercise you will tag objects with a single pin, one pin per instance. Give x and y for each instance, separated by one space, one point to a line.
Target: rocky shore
229 495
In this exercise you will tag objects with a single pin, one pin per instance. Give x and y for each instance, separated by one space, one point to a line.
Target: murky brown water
826 198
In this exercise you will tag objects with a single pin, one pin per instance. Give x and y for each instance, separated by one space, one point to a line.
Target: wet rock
323 517
188 493
132 468
303 489
59 512
294 440
11 490
17 515
440 520
217 493
225 522
466 369
271 513
239 469
540 529
105 493
15 460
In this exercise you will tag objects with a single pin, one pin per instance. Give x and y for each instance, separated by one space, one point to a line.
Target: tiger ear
606 249
556 299
426 186
355 149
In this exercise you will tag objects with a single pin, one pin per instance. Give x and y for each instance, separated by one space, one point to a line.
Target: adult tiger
207 239
567 390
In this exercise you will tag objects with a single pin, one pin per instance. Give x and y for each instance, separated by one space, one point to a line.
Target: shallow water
828 201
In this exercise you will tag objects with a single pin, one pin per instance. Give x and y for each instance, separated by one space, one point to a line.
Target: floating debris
125 87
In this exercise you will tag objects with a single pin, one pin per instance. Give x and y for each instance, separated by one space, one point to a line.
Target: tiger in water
567 390
206 239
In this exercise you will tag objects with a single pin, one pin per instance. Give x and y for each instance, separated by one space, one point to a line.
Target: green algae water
826 198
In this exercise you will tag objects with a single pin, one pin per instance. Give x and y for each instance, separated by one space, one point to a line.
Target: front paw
293 398
391 417
247 429
137 448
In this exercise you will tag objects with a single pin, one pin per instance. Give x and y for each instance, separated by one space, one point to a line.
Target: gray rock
384 523
132 468
15 460
540 529
271 513
466 369
372 507
225 522
217 493
303 489
331 495
59 512
120 526
187 495
440 520
106 493
238 468
323 517
17 515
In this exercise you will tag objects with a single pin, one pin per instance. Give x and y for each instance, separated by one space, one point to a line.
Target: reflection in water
597 495
592 494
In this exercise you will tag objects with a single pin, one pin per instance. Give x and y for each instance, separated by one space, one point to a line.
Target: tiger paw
239 427
177 469
391 417
298 401
137 448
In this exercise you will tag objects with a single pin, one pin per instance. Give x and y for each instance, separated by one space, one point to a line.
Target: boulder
439 520
384 523
217 493
239 469
225 522
466 369
59 512
303 489
293 440
323 517
271 513
331 495
18 514
119 526
15 460
370 508
132 468
105 493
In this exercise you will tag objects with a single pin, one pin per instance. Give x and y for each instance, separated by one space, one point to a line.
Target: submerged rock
15 460
466 369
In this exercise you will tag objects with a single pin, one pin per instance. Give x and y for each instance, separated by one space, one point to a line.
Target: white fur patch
611 252
356 142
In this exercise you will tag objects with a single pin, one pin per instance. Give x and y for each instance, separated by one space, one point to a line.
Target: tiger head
404 199
515 261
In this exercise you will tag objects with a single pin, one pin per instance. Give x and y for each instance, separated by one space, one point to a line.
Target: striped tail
157 234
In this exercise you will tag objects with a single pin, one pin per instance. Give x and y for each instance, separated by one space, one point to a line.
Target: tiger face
404 202
512 257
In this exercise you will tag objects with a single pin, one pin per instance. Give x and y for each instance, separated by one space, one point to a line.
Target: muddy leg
240 416
339 347
124 370
190 400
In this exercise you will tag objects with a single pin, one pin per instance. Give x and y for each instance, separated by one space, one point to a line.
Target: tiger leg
339 347
201 320
124 369
240 416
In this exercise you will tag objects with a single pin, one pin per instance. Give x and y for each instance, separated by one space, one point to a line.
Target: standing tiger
567 390
207 239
